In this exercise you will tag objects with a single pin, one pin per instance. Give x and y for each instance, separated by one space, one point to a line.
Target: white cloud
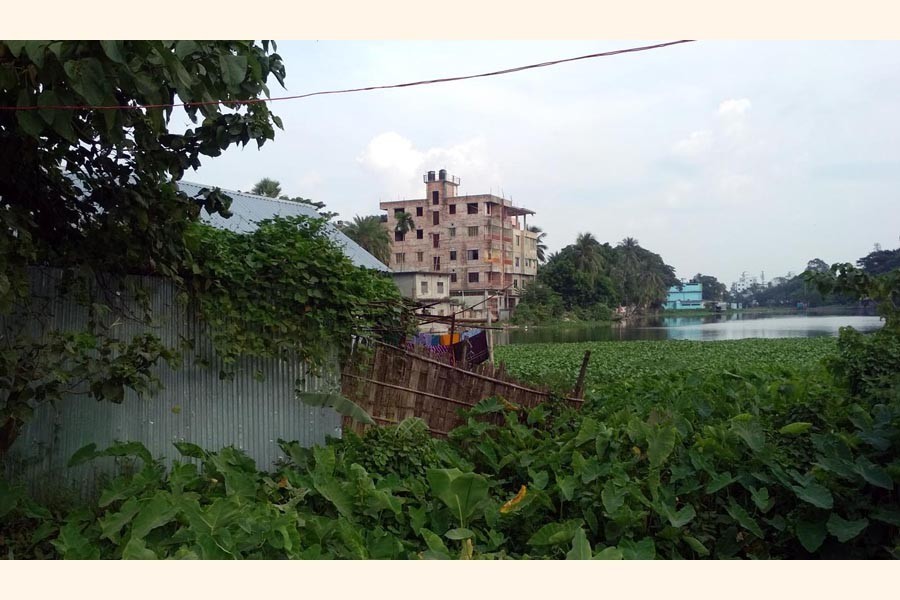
695 145
400 165
734 108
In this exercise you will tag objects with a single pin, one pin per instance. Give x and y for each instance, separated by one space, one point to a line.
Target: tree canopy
76 182
588 277
371 234
713 289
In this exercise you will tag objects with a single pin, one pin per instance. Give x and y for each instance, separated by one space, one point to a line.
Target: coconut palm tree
369 233
541 246
267 187
405 223
587 254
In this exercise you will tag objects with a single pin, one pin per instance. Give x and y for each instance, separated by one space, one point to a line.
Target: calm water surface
718 327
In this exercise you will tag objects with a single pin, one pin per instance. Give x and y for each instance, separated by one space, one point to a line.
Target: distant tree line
793 290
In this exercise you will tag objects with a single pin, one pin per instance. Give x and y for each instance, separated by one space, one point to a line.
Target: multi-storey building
481 241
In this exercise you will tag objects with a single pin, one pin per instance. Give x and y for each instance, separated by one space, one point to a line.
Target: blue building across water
688 295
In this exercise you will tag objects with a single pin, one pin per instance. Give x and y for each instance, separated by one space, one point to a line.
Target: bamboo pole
579 385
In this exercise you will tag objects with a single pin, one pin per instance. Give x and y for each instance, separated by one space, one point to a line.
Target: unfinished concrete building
481 241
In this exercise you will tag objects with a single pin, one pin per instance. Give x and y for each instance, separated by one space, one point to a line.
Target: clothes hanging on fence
478 348
477 351
469 333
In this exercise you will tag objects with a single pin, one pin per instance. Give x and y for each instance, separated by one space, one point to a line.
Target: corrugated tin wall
250 411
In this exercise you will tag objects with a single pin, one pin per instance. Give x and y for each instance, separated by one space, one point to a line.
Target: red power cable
345 91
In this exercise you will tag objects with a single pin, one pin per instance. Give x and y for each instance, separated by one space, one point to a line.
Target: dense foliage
585 279
288 288
756 454
93 194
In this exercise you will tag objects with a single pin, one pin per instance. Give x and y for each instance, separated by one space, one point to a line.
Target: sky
722 157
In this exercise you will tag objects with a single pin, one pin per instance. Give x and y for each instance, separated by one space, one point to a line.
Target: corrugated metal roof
249 209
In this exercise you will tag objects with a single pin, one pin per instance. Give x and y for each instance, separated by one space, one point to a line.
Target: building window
473 231
452 231
435 197
488 207
518 240
436 263
517 261
423 287
400 258
515 283
440 285
419 234
472 254
419 211
398 236
473 277
420 256
398 212
435 217
452 277
472 208
453 255
452 209
436 241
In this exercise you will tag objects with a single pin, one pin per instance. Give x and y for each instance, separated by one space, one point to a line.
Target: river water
708 328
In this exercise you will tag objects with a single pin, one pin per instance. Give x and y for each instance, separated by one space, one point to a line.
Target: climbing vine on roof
288 288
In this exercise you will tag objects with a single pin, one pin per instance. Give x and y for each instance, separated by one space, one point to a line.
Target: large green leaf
566 486
460 533
612 497
555 533
435 544
136 549
88 80
750 431
811 534
874 474
661 444
696 545
339 403
234 69
111 523
581 548
720 481
462 492
739 514
332 491
845 530
815 494
642 550
680 518
795 428
611 553
155 512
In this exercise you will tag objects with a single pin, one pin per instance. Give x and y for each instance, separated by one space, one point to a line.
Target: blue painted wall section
688 296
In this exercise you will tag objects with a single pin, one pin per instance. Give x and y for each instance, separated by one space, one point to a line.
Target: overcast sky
722 157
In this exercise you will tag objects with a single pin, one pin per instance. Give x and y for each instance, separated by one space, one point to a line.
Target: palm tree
587 254
629 243
541 246
369 233
405 223
267 187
